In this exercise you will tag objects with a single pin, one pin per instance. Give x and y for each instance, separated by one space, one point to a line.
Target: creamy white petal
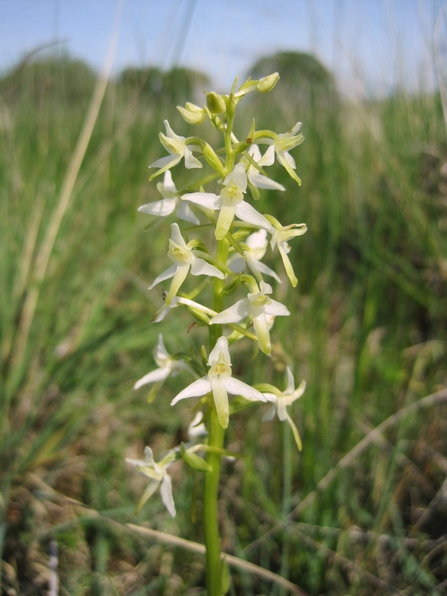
159 208
166 494
170 272
270 414
284 156
253 264
247 213
281 409
161 355
269 156
205 199
176 236
168 161
237 177
184 212
260 181
290 381
160 374
236 387
197 389
191 161
220 350
233 314
276 309
201 267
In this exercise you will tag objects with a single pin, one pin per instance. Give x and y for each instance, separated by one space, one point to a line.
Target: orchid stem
216 435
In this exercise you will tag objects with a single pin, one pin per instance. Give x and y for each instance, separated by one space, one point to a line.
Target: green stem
216 435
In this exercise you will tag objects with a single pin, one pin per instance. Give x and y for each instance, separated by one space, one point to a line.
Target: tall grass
358 512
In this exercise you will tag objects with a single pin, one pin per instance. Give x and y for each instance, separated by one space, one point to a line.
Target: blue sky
369 44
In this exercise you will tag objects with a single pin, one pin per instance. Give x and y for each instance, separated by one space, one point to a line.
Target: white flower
156 472
258 306
282 399
220 382
177 149
254 249
281 145
166 366
169 203
280 236
230 202
184 260
254 175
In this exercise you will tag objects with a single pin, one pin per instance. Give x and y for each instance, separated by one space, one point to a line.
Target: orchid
158 476
169 203
280 236
254 249
258 306
178 149
280 145
167 365
230 202
282 399
184 261
220 382
234 170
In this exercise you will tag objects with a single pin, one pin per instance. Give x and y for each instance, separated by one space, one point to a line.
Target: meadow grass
358 511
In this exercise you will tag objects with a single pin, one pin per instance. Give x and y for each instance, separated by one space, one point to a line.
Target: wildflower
178 149
158 476
257 305
167 365
220 382
280 236
254 249
230 202
184 260
169 203
282 399
281 145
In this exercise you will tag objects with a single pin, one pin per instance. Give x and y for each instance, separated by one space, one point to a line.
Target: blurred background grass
367 332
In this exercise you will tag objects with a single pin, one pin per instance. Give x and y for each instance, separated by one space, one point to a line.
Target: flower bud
212 158
192 113
216 103
266 84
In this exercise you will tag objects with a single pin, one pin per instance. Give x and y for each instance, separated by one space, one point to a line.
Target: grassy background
367 332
